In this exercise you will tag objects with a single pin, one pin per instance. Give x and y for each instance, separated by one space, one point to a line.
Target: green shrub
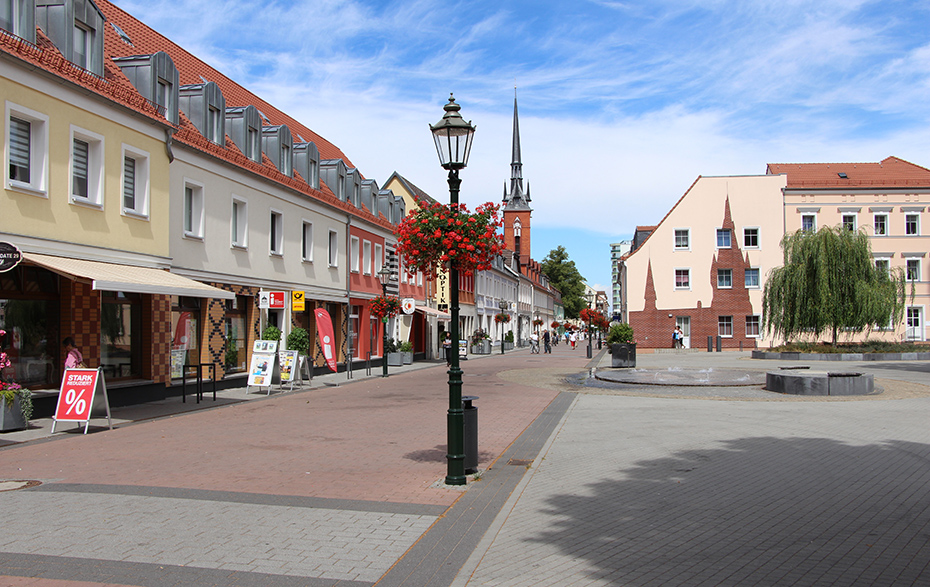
271 333
405 347
390 346
299 340
509 336
620 334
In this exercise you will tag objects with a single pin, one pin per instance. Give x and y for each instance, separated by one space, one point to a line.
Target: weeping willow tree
829 282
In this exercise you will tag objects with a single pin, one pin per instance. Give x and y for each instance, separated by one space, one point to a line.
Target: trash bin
470 433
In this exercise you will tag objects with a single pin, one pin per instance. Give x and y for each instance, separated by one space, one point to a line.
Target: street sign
276 300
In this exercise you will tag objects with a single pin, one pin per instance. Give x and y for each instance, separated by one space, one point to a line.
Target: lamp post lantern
384 276
453 137
503 305
589 296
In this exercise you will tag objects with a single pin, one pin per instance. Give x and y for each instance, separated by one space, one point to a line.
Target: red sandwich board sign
83 396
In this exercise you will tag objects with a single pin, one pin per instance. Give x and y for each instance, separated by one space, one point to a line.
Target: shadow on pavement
762 511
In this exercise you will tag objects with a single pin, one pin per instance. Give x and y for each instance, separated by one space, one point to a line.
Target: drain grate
13 485
520 462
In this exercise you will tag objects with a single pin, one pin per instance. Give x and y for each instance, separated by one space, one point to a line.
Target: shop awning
434 312
128 278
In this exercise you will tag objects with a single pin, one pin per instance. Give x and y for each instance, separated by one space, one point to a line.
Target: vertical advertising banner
324 329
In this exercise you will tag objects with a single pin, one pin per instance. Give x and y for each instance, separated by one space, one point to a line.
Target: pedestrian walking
572 339
680 337
534 343
547 343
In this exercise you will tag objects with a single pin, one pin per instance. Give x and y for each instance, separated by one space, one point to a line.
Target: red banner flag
324 329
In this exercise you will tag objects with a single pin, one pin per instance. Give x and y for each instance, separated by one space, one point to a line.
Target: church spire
517 198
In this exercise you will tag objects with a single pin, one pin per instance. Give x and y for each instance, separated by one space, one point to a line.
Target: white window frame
758 284
757 237
95 167
687 270
915 263
366 257
719 274
758 323
354 253
142 181
722 321
333 250
419 279
916 218
813 217
909 331
875 224
852 216
38 151
379 258
196 208
687 237
718 233
239 223
275 233
306 241
886 261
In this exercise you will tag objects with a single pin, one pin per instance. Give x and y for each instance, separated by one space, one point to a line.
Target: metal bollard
710 344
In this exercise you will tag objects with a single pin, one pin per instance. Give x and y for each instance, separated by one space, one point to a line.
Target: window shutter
79 181
129 183
20 136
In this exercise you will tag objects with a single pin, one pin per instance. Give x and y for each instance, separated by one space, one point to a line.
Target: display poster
463 348
288 365
324 329
262 364
177 364
83 396
298 302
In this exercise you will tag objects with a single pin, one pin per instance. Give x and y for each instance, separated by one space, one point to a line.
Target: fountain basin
683 377
820 382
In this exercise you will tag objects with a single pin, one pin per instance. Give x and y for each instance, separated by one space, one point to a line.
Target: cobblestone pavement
341 484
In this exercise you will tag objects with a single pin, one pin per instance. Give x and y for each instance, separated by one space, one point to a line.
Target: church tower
516 208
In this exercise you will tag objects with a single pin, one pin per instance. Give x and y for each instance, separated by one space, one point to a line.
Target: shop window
237 313
121 334
29 313
185 333
354 324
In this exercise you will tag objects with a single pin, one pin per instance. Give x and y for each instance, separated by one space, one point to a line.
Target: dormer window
75 27
243 125
205 106
277 143
333 172
253 151
156 78
306 158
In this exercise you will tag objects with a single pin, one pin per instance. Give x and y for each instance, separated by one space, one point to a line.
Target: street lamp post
384 276
453 137
503 305
590 298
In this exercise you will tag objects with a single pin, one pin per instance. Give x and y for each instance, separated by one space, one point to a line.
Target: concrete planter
395 359
11 416
482 348
623 355
407 358
508 346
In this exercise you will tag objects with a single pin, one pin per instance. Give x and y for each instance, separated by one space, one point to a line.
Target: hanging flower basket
385 306
437 236
502 318
537 322
588 315
555 324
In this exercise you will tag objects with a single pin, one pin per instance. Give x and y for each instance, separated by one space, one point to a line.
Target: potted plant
406 350
394 357
480 343
299 340
15 400
508 341
622 345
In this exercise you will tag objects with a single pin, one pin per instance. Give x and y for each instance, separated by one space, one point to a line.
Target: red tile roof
891 172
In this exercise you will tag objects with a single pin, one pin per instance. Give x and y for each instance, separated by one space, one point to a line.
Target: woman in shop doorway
73 357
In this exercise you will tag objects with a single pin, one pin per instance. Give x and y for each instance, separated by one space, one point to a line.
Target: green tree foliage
829 282
564 276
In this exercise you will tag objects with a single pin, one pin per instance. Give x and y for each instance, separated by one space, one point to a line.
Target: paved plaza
581 483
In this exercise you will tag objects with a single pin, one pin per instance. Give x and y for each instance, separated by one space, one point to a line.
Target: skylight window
122 34
842 175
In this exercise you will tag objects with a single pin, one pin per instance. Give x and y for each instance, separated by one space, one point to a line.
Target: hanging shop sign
408 305
10 256
83 396
298 302
271 300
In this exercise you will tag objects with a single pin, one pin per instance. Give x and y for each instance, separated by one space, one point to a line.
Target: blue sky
622 104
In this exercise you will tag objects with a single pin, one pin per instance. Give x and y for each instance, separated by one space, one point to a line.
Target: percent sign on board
75 401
